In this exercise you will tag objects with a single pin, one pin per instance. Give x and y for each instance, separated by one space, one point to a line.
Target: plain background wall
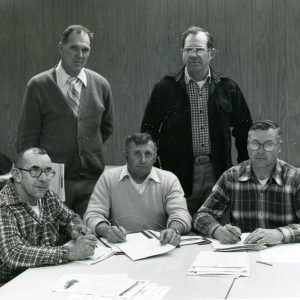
138 41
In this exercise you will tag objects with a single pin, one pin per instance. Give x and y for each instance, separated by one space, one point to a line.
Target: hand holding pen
116 233
228 234
79 229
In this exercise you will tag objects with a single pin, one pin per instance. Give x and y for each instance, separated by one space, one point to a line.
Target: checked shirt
252 206
27 240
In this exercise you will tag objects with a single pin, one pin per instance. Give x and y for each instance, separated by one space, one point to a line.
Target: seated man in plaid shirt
30 216
261 195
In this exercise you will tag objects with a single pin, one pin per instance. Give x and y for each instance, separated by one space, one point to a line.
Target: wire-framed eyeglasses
197 51
36 172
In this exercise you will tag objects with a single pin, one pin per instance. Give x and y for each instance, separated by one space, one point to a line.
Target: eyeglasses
267 146
36 172
198 51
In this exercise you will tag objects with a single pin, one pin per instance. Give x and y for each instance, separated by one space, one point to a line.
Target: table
278 281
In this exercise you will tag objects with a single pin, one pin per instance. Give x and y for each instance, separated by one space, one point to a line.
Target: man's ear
125 152
212 53
16 174
60 47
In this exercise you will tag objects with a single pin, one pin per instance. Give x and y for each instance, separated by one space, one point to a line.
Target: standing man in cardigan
190 115
68 111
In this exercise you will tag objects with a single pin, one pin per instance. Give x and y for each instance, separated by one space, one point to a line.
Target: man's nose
143 158
79 53
43 177
261 149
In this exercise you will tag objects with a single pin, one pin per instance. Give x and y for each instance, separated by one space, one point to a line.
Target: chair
58 182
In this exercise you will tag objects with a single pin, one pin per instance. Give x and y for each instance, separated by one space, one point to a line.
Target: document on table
141 245
101 252
282 253
108 286
219 263
239 246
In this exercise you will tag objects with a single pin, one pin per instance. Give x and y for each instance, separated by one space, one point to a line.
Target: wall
138 41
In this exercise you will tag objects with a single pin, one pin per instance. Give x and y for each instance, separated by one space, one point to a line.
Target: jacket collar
247 172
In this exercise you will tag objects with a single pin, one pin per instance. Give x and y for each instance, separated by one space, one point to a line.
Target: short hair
5 164
78 29
18 161
139 139
266 125
194 30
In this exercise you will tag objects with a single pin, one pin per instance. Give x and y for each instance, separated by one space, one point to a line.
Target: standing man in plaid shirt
190 115
262 195
30 215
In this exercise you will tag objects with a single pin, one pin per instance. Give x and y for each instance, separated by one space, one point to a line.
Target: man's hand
78 230
228 234
170 236
83 248
264 236
116 234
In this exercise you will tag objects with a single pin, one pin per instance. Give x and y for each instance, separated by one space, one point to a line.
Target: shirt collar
152 175
247 173
63 76
187 77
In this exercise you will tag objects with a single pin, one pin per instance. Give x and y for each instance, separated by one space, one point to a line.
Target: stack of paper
239 246
108 286
218 263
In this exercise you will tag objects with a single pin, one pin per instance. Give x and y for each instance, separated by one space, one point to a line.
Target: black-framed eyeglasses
198 51
267 146
36 172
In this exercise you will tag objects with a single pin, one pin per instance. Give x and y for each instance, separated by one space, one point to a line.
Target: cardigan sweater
161 202
47 121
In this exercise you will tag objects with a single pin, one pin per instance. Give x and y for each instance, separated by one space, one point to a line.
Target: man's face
75 53
140 159
33 188
262 158
197 63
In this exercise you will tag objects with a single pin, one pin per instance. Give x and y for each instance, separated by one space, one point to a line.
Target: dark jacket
168 119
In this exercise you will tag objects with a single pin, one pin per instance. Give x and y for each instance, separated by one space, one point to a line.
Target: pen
118 226
84 234
264 263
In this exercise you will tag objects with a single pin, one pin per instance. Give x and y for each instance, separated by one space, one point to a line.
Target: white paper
219 263
282 253
239 246
143 248
101 252
107 285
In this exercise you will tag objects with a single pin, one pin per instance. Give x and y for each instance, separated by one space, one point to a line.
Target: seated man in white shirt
138 196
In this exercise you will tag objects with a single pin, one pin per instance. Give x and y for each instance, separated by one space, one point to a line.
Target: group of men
179 167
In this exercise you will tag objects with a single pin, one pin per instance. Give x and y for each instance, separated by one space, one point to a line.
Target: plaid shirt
251 205
198 96
27 240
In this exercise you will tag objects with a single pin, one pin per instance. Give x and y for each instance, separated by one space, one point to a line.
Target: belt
202 160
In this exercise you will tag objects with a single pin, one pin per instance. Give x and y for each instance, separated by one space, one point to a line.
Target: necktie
73 96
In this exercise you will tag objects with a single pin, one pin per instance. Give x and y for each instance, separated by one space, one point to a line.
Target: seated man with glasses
30 217
261 195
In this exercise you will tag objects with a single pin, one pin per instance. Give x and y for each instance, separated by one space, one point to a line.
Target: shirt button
60 261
